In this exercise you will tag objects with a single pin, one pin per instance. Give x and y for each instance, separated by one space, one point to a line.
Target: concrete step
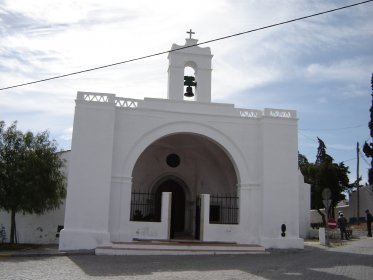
177 248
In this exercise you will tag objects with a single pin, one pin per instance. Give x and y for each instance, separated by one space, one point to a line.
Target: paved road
354 260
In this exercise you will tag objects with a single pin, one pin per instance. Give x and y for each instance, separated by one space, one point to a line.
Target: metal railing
223 209
143 207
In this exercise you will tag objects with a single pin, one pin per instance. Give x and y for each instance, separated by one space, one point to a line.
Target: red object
332 223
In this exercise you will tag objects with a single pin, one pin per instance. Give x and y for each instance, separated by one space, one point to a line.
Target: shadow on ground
352 260
311 263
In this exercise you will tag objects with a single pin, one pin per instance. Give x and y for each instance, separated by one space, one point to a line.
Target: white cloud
339 70
329 53
322 100
353 90
342 147
50 10
67 134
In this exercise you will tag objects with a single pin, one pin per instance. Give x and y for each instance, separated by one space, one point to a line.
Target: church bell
189 81
189 92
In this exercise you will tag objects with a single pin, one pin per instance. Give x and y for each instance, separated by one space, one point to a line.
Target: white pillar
205 216
166 213
175 82
120 208
89 181
280 182
203 89
249 215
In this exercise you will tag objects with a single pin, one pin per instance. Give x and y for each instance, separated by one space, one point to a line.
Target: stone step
177 248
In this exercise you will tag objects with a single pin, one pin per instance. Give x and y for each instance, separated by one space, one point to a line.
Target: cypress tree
368 148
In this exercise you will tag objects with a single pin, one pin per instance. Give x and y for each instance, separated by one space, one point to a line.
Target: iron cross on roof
190 32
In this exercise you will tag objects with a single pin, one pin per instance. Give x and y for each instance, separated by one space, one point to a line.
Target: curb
46 254
2 255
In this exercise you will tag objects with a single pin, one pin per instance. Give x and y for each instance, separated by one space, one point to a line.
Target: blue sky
320 67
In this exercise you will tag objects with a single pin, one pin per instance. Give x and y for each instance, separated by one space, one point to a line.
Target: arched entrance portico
187 165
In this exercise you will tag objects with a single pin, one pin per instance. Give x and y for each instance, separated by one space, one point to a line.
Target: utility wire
349 159
306 136
333 129
366 161
185 47
364 158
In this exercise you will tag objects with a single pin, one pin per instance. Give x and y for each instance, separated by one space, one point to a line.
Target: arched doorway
177 205
187 165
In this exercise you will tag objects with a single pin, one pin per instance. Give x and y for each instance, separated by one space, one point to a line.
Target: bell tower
181 84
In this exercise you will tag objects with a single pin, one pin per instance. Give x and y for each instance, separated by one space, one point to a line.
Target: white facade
121 146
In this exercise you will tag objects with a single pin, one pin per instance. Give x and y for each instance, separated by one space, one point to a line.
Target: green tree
31 177
368 148
322 174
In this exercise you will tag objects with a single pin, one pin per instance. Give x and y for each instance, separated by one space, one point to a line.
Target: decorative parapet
268 112
134 103
279 113
248 113
108 98
96 97
126 102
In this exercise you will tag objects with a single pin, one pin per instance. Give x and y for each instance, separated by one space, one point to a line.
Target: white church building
183 167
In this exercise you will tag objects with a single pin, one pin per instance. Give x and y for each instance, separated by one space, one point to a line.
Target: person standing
369 222
342 224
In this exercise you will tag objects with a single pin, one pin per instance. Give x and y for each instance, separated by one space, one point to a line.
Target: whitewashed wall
35 229
38 229
155 230
304 206
350 210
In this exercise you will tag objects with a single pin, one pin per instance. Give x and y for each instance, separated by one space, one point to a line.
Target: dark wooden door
177 205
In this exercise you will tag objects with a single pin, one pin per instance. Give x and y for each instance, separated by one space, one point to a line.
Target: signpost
326 194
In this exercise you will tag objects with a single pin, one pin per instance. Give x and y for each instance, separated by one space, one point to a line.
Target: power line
334 129
349 159
366 161
185 47
306 136
363 156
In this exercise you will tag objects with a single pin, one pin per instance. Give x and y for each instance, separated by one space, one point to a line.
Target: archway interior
177 205
185 164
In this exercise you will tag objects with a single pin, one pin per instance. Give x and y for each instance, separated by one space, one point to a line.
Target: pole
327 242
357 183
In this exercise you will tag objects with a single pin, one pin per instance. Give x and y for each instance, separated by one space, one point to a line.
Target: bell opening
189 82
